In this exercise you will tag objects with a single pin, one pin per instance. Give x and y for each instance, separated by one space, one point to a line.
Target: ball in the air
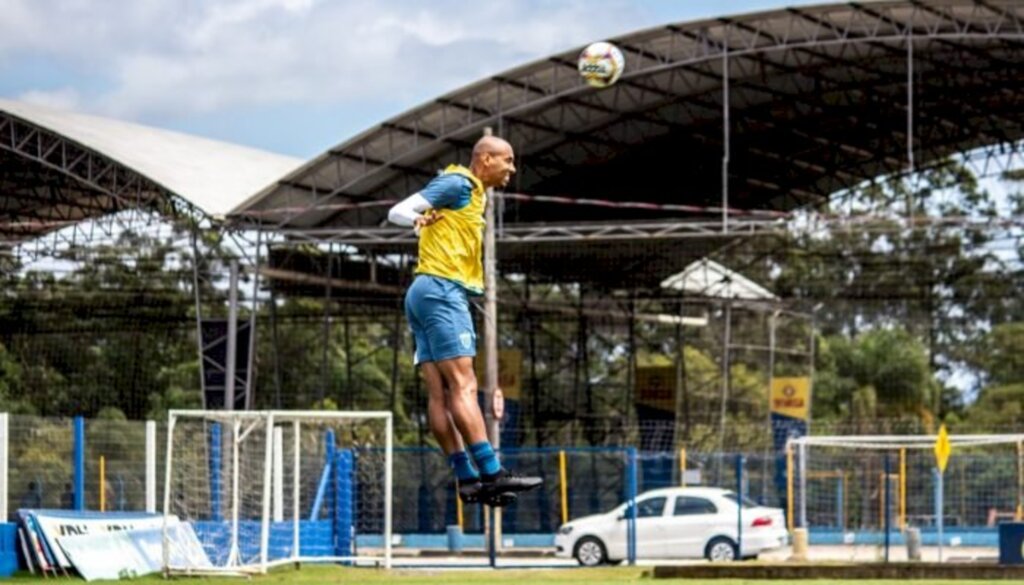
601 64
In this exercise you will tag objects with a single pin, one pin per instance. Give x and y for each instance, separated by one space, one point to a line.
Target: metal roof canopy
819 99
58 168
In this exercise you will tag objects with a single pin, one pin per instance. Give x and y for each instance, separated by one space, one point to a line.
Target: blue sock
463 468
485 457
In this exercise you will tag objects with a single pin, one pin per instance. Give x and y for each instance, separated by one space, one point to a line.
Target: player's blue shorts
438 313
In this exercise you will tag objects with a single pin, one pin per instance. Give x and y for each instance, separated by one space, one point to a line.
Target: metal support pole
324 373
939 495
910 98
725 132
740 492
5 488
79 452
151 466
490 381
802 476
232 341
887 516
726 340
199 317
769 452
250 374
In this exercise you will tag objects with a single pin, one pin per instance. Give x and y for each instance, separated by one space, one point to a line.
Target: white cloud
167 59
65 98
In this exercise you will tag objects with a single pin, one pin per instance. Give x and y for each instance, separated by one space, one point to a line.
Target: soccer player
448 215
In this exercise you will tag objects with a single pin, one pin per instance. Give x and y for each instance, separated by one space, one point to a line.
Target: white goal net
864 497
247 490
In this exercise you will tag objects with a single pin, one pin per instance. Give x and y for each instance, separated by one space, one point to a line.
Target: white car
677 523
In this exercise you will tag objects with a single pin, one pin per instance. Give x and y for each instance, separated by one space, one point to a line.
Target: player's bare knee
466 391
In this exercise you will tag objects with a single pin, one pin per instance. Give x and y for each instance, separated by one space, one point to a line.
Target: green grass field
611 576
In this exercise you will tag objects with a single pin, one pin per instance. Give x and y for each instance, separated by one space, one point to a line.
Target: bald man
448 215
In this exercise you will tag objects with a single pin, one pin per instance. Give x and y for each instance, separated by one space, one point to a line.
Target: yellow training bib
453 247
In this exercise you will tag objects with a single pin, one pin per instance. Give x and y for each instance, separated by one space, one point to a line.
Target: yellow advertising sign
942 449
656 387
791 397
510 372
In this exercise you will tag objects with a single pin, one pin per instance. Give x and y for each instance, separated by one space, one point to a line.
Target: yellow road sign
942 449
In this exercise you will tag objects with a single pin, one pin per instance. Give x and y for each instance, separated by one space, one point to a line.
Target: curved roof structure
818 99
59 167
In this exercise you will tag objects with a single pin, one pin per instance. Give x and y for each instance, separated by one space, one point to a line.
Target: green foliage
881 373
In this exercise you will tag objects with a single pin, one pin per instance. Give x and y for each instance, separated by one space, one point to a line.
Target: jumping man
448 216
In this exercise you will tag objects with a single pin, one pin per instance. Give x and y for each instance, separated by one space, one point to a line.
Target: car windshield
747 502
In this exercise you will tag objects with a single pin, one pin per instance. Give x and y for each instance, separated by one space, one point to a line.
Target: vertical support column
232 342
275 348
770 452
5 434
151 466
269 459
631 487
841 500
725 131
682 466
216 471
233 551
939 520
563 486
740 492
901 521
79 456
326 343
726 342
278 480
296 478
789 487
199 318
887 525
1019 514
910 98
388 481
165 541
250 370
103 483
490 381
802 474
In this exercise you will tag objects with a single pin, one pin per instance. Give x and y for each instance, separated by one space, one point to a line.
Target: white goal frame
240 423
796 448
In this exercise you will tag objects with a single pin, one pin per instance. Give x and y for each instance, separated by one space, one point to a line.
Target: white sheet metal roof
214 176
710 279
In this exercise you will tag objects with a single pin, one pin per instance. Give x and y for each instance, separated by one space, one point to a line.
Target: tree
881 373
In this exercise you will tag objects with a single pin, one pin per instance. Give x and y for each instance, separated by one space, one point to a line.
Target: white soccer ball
601 64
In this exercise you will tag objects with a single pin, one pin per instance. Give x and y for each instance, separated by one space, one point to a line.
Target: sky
294 77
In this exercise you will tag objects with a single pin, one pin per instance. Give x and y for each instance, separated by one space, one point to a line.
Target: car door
691 522
650 513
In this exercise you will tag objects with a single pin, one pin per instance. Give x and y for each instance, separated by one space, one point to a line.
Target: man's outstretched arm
407 211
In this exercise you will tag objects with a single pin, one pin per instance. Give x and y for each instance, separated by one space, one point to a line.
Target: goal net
855 494
245 491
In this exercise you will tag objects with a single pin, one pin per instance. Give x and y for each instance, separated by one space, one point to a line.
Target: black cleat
506 481
472 492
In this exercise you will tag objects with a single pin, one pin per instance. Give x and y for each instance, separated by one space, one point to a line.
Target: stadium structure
720 135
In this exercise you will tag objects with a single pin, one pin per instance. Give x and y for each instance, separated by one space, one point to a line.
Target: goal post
856 493
247 490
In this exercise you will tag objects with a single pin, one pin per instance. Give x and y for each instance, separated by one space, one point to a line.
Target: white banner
132 553
55 524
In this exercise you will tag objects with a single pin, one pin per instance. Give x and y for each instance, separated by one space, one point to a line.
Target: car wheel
590 552
720 549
